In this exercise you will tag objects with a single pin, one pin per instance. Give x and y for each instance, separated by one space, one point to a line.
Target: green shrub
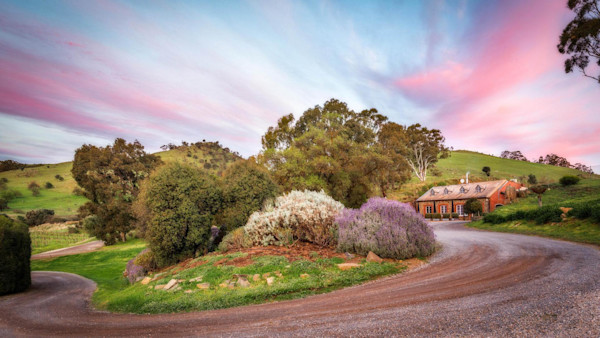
10 194
454 215
473 206
246 187
146 260
77 191
37 217
15 256
568 180
542 215
182 201
235 240
3 204
429 216
436 216
73 230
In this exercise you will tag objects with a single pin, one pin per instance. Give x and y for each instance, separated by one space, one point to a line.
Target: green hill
207 155
450 170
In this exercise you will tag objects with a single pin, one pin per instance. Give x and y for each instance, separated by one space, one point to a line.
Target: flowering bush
299 215
388 228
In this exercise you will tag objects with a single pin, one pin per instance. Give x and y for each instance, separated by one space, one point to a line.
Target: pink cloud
502 95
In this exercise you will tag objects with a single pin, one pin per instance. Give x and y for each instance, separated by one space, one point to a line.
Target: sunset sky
487 73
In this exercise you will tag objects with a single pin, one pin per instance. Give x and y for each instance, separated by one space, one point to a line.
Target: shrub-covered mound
388 228
15 256
299 215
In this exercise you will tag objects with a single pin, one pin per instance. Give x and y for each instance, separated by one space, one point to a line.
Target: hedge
15 256
545 214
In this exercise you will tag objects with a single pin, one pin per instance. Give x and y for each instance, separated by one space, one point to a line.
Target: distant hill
450 170
210 156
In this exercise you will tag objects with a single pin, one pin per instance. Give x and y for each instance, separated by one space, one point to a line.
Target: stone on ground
197 279
146 280
348 266
170 284
372 257
256 277
203 286
270 280
243 282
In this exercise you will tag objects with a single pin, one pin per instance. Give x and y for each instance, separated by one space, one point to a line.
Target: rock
565 211
278 274
304 275
348 255
180 280
146 280
265 275
256 277
159 287
243 282
203 286
270 281
197 279
188 291
170 284
139 279
223 285
372 257
348 266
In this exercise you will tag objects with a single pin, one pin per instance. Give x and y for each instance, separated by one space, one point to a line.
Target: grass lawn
582 231
114 293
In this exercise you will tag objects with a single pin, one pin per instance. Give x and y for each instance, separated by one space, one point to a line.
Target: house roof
462 191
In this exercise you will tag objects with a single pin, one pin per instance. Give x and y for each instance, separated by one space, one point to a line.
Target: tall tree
393 167
330 148
110 177
581 38
424 148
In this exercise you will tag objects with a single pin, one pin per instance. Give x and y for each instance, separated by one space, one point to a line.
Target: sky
486 73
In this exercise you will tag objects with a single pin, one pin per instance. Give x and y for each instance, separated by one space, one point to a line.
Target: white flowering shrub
299 215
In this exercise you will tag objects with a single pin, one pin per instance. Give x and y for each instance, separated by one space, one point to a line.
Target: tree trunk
540 200
123 237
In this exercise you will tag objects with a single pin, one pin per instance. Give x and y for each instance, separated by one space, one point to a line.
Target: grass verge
114 293
582 231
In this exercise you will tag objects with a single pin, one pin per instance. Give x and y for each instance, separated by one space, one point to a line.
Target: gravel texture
479 284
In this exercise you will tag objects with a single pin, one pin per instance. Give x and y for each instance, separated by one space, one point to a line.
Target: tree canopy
581 37
330 148
110 177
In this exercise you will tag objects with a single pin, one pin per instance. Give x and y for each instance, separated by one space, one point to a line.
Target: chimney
468 177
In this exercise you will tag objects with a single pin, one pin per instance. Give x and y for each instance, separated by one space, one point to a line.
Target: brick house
451 198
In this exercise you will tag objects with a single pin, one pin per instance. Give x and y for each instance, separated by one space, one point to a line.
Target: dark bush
183 201
531 179
388 228
446 216
49 185
454 215
583 210
77 191
37 217
58 177
10 194
73 230
146 260
15 256
436 215
34 188
569 180
542 215
429 216
4 180
473 206
494 218
246 187
3 204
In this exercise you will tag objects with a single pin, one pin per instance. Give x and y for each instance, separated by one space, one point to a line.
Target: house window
459 209
428 209
463 190
478 188
432 192
443 209
446 191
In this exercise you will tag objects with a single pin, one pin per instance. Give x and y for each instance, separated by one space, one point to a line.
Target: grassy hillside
573 229
450 170
208 155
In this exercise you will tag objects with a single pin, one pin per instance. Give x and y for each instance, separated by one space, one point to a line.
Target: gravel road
479 284
72 250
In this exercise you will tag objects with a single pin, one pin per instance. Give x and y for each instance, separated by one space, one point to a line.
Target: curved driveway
481 283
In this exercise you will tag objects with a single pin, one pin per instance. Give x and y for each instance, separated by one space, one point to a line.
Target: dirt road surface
480 284
77 249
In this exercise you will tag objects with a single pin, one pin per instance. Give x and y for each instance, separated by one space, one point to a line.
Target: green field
48 237
114 293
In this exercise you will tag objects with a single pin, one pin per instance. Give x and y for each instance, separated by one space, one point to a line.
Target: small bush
4 180
3 204
37 217
77 191
436 215
568 180
34 188
446 216
146 260
542 215
531 179
58 177
15 256
235 240
299 215
388 228
73 230
429 216
10 194
473 206
49 185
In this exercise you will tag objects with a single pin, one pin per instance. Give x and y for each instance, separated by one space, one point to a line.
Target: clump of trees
473 206
513 155
110 177
487 170
347 154
34 188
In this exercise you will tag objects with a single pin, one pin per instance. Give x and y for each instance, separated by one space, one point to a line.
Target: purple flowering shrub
388 228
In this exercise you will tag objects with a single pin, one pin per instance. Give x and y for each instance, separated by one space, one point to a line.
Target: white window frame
428 209
443 209
460 209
